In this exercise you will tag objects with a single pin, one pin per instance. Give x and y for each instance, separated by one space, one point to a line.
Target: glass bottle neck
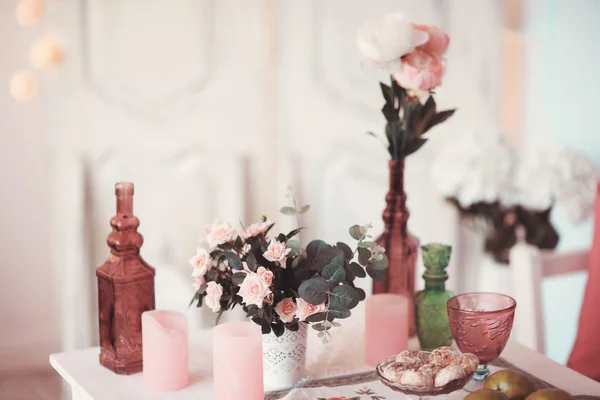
437 283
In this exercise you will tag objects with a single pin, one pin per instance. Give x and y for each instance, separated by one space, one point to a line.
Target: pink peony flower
438 41
276 252
306 309
214 291
197 282
254 289
219 233
265 274
201 262
286 309
420 70
256 229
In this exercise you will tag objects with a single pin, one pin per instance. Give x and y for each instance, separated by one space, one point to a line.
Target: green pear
486 394
549 394
514 385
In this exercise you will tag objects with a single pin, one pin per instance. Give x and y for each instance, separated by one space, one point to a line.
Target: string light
23 86
46 53
29 12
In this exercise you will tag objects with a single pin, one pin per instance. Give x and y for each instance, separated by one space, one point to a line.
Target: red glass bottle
401 247
125 290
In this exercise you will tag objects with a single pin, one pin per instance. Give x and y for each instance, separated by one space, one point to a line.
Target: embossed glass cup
481 324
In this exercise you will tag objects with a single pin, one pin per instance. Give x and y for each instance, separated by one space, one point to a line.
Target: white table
90 381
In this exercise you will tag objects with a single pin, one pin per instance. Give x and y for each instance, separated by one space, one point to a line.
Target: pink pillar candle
165 350
237 361
386 326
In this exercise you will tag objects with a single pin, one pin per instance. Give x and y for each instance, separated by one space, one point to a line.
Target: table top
344 354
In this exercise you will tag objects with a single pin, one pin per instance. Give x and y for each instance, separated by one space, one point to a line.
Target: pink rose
219 233
214 291
276 252
305 309
254 289
420 70
438 39
286 309
256 229
265 274
201 262
197 282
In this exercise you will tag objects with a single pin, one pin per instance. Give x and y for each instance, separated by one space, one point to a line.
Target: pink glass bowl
481 324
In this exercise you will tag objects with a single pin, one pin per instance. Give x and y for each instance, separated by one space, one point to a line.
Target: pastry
430 368
442 356
394 371
410 377
449 374
412 359
468 362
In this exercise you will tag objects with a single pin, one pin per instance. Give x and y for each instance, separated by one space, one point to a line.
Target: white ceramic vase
284 358
494 276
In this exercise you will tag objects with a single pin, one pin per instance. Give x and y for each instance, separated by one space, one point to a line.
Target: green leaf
379 264
233 260
318 317
355 232
414 145
334 273
314 290
357 270
304 209
331 255
294 247
345 296
348 253
438 119
314 248
364 255
322 326
196 295
336 324
239 243
238 278
288 210
265 328
376 274
251 262
364 230
366 245
339 312
361 293
292 234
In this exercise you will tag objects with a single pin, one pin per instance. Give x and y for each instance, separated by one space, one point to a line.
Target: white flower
219 233
473 170
276 252
286 309
538 182
265 274
214 291
256 229
201 262
254 289
383 40
306 309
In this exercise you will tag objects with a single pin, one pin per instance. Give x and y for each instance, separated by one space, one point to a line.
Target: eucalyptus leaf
238 278
366 245
318 317
314 248
314 290
364 255
355 232
379 264
330 255
288 210
336 324
334 273
357 270
304 209
348 253
233 260
361 294
321 326
339 312
345 296
376 274
293 245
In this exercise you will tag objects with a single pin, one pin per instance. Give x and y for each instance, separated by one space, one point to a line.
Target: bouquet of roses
278 283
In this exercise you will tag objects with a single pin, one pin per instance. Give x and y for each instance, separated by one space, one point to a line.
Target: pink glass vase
125 290
400 246
481 324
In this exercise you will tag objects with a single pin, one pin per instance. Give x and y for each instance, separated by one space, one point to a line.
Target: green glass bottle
433 327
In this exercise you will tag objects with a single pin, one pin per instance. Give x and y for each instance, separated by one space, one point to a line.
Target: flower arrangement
413 55
486 181
278 283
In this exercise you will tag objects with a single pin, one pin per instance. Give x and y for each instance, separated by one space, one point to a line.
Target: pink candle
165 350
386 326
237 361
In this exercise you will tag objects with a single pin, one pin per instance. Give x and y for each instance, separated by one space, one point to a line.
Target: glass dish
416 390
